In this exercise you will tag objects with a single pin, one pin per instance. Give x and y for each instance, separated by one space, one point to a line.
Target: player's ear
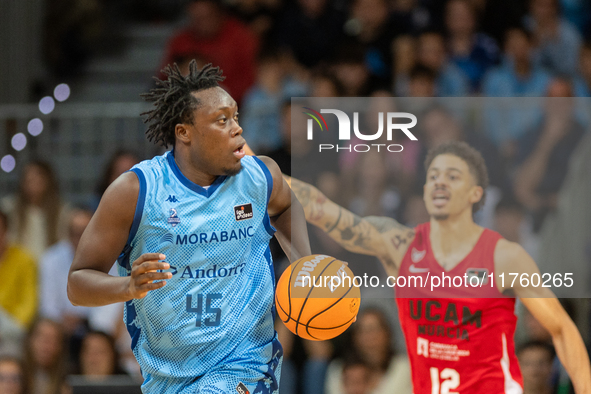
476 194
181 133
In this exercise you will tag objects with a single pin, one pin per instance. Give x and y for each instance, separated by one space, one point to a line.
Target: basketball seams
321 312
289 293
310 292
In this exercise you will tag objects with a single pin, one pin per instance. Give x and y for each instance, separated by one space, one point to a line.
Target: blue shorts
226 380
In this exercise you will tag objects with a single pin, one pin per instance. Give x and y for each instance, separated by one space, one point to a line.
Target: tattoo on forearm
329 228
384 224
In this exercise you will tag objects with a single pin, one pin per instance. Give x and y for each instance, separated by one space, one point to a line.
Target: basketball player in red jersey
459 340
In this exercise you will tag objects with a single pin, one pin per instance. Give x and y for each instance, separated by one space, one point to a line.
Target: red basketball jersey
458 345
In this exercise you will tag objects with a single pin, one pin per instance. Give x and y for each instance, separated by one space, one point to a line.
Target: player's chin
233 170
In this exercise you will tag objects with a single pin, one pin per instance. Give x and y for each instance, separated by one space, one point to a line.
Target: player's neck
449 234
192 171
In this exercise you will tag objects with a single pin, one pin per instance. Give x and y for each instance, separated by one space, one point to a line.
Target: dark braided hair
173 99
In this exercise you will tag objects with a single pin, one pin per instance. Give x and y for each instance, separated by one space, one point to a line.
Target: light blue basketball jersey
217 310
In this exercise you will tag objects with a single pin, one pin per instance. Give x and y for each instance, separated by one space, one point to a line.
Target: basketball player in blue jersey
190 231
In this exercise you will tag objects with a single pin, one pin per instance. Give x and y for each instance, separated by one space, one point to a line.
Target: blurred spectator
440 126
372 344
282 155
260 15
18 270
45 357
499 15
474 53
12 376
518 76
222 39
350 69
558 41
511 222
311 29
414 16
373 194
54 267
289 375
356 377
544 153
314 373
261 107
98 357
37 214
566 234
431 53
122 160
370 26
582 82
404 61
72 30
325 84
535 360
422 82
578 13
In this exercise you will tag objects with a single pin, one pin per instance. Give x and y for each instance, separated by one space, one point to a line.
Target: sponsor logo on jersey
172 198
241 388
166 238
432 311
243 212
173 219
214 271
215 236
417 256
480 273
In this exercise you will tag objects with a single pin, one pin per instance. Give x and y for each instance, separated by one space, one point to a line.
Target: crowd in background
270 51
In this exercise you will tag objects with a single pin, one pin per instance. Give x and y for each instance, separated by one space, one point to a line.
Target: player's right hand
144 271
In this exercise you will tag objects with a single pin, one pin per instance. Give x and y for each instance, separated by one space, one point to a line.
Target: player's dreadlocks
173 99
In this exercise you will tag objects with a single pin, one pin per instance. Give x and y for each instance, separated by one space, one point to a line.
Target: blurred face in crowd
372 339
46 344
431 50
122 164
421 86
97 356
35 184
517 45
536 368
324 87
206 18
11 377
440 127
460 17
371 13
544 10
353 76
312 8
560 105
78 223
450 188
356 379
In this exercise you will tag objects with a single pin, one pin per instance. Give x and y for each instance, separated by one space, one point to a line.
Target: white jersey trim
511 386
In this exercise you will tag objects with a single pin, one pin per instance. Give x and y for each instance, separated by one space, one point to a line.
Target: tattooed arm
382 237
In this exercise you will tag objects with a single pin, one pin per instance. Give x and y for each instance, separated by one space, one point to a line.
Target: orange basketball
316 298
